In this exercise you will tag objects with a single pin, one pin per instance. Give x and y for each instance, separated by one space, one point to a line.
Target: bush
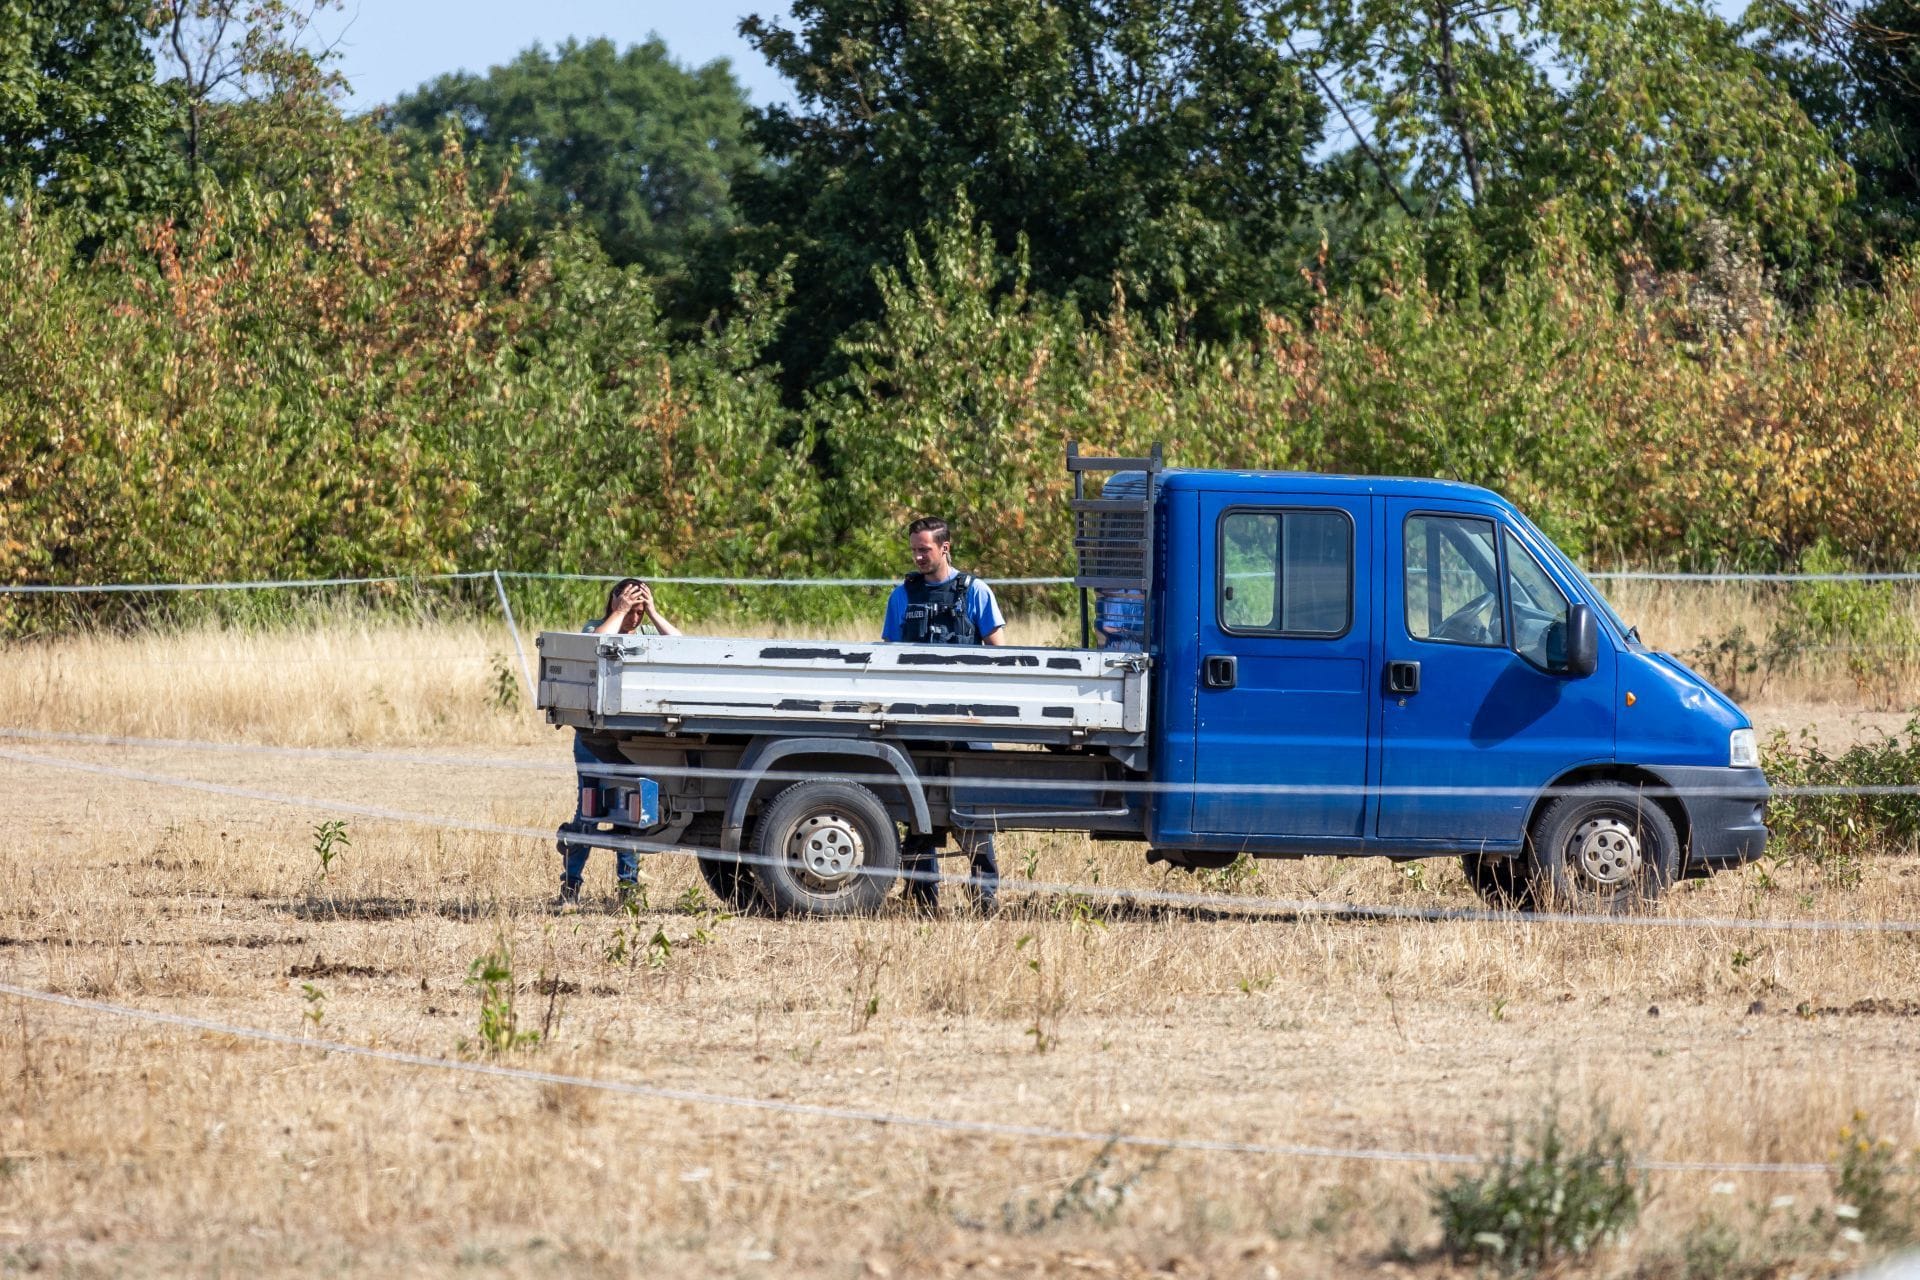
1837 833
1545 1198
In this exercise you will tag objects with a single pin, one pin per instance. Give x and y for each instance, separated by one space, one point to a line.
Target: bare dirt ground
128 1147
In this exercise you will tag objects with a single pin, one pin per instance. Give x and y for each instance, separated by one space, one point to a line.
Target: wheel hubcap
827 847
1606 851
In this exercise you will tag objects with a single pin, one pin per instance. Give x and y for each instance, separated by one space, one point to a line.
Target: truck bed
705 684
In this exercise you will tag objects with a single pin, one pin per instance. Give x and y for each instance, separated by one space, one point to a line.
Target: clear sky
388 47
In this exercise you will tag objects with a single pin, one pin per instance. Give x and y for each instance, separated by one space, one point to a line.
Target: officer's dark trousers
920 861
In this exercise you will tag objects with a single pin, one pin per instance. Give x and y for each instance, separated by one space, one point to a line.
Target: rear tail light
589 802
636 808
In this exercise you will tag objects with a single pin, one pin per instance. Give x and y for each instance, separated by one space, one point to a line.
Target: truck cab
1409 667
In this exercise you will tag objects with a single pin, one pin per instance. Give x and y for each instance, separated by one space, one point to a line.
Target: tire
826 849
732 881
1603 849
1501 882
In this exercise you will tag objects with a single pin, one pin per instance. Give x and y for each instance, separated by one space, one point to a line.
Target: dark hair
933 525
613 596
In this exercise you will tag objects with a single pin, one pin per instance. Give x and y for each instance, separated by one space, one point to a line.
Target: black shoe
569 894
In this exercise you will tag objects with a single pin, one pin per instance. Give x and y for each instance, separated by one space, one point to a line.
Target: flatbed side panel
971 688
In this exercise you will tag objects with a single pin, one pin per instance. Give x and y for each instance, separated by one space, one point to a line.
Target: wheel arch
1628 774
867 762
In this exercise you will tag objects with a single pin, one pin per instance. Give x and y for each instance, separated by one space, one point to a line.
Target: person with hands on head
630 608
938 604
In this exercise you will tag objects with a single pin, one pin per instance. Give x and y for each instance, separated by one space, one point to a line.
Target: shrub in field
1837 833
1867 1186
1547 1198
1860 622
1097 1194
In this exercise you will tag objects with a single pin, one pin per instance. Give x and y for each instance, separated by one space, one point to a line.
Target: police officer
938 604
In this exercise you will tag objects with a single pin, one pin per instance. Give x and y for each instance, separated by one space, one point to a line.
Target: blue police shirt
980 606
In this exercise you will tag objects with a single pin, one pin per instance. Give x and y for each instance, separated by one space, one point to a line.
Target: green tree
1855 69
635 145
1647 119
1157 146
254 101
82 122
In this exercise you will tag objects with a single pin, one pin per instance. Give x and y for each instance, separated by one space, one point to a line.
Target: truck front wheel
827 848
1602 848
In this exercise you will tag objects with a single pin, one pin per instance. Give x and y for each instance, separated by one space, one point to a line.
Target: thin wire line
1131 786
1130 896
36 589
1620 575
992 1128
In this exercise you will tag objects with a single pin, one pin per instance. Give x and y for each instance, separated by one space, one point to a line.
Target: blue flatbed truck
1320 665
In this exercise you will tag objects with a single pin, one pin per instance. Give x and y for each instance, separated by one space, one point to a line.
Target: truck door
1285 631
1475 717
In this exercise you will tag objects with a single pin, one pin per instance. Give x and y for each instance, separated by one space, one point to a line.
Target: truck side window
1286 572
1453 581
1539 609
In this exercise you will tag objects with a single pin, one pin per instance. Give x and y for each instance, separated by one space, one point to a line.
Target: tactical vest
937 611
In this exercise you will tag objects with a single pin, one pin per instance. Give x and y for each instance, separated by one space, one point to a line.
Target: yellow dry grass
132 1148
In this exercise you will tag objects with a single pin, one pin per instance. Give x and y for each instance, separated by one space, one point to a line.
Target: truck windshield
1592 592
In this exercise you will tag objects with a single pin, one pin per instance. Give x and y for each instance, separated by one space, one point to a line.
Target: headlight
1743 752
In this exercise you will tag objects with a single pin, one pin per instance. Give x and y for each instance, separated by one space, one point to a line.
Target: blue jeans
574 852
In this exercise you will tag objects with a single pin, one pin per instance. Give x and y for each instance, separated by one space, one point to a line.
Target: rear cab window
1285 572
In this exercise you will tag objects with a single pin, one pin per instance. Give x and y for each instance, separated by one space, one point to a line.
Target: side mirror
1583 641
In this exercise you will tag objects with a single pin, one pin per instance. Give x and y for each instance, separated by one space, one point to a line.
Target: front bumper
1726 814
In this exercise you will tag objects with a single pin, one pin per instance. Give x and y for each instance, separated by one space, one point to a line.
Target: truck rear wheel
827 848
1602 848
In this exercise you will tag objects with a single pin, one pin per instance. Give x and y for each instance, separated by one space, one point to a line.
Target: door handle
1221 670
1403 677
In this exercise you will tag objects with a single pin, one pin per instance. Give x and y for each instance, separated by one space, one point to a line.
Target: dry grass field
133 1148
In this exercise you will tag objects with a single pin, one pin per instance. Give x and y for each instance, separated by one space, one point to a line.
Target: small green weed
869 962
505 684
1237 876
499 1027
316 1009
329 840
659 949
1048 999
1545 1199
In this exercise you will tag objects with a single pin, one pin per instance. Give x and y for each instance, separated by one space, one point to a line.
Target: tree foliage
639 148
1645 119
1855 69
83 125
1157 147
